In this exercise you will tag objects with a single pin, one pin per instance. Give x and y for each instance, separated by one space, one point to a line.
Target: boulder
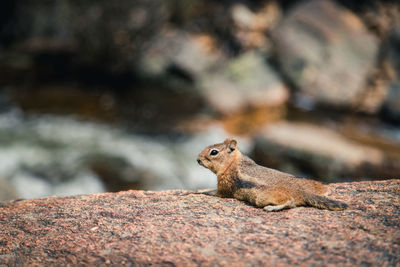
310 150
243 83
176 50
326 52
250 26
176 228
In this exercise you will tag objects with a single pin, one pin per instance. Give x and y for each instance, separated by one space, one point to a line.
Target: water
42 155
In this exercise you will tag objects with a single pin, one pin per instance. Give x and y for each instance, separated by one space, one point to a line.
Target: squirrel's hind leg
275 199
287 205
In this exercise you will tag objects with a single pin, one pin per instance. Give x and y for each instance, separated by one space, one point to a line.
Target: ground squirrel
241 178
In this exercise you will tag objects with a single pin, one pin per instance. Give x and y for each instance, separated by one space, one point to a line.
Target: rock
383 136
169 72
314 151
177 50
181 229
326 53
243 83
250 27
379 17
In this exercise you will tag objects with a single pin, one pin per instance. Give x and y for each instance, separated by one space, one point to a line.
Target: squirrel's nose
198 161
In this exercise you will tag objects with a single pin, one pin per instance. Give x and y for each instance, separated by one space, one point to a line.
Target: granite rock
177 228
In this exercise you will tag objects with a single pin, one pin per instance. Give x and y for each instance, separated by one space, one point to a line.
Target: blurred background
112 95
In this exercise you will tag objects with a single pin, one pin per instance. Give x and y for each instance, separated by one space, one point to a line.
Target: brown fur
241 178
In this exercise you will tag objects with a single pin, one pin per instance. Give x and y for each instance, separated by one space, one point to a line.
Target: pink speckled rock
178 228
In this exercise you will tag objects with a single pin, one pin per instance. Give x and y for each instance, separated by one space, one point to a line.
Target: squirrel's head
218 156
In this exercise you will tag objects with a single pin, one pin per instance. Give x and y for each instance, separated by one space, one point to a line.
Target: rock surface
177 228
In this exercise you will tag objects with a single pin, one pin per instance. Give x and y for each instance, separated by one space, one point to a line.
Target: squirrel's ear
231 144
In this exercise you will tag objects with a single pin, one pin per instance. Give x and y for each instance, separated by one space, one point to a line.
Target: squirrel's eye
213 152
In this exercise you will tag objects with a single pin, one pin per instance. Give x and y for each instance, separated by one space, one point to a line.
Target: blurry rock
169 69
316 151
7 191
175 50
326 52
383 19
243 83
376 89
385 137
380 17
250 26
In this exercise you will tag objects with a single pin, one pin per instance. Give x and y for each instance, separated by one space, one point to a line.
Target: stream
44 155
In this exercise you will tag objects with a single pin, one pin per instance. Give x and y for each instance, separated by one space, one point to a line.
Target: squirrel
241 178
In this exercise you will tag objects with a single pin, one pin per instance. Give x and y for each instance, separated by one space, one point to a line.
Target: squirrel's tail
324 203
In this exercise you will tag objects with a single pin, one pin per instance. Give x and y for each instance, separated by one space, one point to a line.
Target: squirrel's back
267 176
